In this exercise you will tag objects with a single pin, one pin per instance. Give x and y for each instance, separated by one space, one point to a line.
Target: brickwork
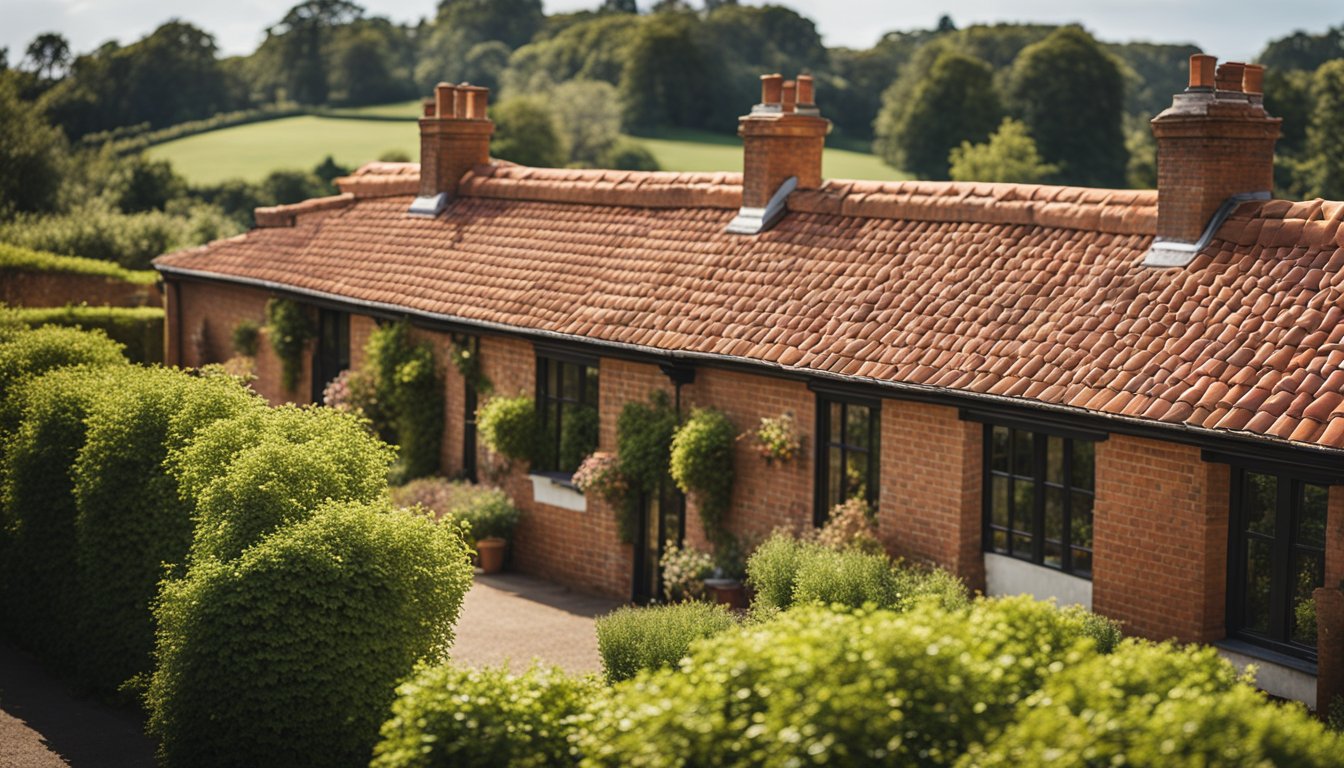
777 147
929 507
1160 539
21 288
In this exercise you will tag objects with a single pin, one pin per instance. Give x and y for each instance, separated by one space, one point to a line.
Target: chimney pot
790 96
771 85
428 108
1253 80
1202 71
443 100
804 93
460 100
1229 76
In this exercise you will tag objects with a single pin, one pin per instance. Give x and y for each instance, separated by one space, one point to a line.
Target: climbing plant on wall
702 466
289 328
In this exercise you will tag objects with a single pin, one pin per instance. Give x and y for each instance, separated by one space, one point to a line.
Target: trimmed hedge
482 718
132 519
815 686
290 654
18 259
272 467
39 587
1157 705
139 329
634 639
24 354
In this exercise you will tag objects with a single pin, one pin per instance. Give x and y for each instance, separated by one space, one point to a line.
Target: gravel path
513 618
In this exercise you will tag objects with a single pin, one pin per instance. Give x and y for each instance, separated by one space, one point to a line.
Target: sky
1228 29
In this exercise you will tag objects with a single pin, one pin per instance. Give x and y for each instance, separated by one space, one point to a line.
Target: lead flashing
753 221
1173 253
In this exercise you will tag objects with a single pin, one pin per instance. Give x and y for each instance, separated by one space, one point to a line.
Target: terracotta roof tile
1018 291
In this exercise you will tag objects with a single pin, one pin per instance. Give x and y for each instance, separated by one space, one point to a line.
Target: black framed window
1039 492
848 458
332 350
472 346
1276 559
567 411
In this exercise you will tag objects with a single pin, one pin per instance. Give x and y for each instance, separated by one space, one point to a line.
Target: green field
251 151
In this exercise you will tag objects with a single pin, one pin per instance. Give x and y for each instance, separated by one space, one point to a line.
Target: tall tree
461 25
1071 95
668 78
1009 156
956 103
1302 50
31 154
1323 139
48 56
305 31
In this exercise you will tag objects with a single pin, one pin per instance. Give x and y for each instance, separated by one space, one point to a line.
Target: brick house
1131 400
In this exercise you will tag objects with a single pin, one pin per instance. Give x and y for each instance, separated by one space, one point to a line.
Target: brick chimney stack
782 138
454 138
1215 147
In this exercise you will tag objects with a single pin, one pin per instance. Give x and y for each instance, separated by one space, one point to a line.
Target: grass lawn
251 151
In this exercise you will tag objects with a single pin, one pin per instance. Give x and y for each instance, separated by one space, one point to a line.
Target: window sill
1277 674
557 489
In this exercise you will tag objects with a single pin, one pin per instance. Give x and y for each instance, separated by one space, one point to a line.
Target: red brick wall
1160 539
22 288
929 507
765 496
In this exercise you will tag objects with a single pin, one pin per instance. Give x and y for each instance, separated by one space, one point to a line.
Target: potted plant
492 516
685 570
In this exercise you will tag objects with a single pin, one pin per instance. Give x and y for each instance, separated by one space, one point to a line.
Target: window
332 350
1277 560
471 345
567 409
1039 490
847 460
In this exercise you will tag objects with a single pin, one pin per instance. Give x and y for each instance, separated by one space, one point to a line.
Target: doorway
660 520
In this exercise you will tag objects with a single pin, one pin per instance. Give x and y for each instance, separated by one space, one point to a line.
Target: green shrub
132 240
272 467
132 520
437 495
15 258
245 337
1159 705
138 329
850 525
702 465
290 655
32 353
814 686
481 718
845 577
627 155
644 449
772 569
489 513
38 576
290 329
657 637
508 426
409 390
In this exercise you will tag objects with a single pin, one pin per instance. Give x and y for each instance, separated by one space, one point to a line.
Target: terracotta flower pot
490 553
729 592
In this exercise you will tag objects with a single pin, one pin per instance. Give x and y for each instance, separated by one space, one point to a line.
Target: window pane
856 425
1054 527
1262 494
578 435
1001 506
590 385
1054 460
1311 516
856 475
1259 574
1082 562
1024 505
1308 574
1082 470
1054 554
1080 520
1023 459
1001 542
552 378
546 448
570 380
835 478
1022 546
837 419
999 449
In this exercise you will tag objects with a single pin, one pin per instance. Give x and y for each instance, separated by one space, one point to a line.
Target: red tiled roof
1023 292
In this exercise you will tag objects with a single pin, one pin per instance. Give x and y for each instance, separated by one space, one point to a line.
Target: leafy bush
489 513
132 520
627 155
684 572
290 654
12 257
657 637
139 329
132 240
814 686
508 427
702 465
31 353
600 476
844 577
437 495
772 569
245 337
409 391
643 449
289 328
850 526
272 467
1149 704
38 576
456 716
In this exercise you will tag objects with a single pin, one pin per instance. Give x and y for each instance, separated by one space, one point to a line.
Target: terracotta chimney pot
1202 71
771 86
1229 76
790 96
1253 80
444 96
805 97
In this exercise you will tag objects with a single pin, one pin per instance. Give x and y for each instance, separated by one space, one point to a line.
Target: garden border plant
290 329
702 466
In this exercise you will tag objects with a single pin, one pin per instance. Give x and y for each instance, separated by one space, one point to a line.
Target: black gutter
1313 457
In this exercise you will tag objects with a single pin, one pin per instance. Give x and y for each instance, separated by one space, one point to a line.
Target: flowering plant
684 572
850 526
600 474
777 438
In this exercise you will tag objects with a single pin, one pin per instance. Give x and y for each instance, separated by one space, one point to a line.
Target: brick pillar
454 139
1213 142
1329 647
